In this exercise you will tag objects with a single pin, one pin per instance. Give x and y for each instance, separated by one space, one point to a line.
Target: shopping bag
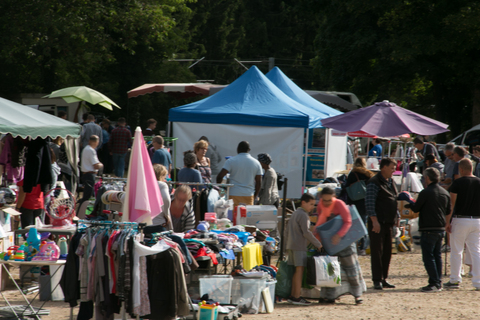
323 271
285 273
327 230
357 191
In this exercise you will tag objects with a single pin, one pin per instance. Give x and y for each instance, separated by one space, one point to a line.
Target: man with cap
268 190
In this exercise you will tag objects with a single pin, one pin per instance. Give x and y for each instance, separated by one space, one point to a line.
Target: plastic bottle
62 244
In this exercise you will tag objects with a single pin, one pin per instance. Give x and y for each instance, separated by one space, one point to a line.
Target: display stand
29 305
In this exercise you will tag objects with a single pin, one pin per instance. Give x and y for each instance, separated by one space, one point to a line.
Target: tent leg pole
404 168
327 145
305 161
284 214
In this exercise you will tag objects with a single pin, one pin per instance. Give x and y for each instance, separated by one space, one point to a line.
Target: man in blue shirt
377 148
245 174
161 155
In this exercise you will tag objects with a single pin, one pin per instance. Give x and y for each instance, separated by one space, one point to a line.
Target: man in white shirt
90 167
245 175
90 128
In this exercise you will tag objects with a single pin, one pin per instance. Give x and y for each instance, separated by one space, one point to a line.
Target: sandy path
404 302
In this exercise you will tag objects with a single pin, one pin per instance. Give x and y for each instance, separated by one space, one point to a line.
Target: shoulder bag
357 190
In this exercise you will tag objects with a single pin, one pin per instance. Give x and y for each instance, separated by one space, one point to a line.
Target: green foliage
50 44
419 54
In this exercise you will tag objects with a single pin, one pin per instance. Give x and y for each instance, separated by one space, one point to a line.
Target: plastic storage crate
247 294
218 288
271 286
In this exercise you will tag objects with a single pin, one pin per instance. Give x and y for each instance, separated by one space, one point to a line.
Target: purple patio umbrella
385 119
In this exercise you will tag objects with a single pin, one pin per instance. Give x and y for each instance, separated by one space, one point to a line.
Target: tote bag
323 271
358 190
330 228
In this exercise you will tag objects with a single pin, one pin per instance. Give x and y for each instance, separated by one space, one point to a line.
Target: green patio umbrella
82 93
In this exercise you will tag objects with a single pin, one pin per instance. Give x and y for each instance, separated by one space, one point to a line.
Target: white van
470 137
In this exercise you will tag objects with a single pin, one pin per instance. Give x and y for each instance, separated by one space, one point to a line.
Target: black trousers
380 250
88 180
27 217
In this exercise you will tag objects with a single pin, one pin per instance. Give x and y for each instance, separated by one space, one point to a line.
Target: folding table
31 313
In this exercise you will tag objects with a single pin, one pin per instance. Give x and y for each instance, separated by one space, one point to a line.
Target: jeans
119 164
465 232
431 243
364 241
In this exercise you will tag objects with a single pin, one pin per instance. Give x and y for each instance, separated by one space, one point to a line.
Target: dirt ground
404 302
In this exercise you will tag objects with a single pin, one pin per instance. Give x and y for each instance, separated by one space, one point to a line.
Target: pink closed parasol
143 201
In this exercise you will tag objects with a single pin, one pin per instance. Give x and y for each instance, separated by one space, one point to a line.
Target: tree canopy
420 54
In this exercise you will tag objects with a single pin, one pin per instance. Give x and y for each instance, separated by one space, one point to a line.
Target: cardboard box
5 219
261 213
8 241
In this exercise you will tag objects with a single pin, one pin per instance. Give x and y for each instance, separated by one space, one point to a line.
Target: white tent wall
335 153
285 146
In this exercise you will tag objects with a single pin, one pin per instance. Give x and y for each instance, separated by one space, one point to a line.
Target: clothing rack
220 185
163 233
105 178
111 223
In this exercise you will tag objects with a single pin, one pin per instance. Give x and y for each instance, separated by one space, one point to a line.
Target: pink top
340 208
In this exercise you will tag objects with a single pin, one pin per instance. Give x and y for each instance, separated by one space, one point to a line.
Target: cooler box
218 288
256 214
247 294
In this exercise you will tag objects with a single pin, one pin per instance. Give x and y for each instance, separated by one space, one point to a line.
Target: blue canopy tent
317 160
250 100
288 87
252 108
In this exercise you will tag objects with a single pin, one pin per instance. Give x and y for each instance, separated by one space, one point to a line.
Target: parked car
470 137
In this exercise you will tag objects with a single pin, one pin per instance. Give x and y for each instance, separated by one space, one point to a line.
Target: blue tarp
296 93
252 99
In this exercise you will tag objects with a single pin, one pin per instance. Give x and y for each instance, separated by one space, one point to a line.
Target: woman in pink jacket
352 280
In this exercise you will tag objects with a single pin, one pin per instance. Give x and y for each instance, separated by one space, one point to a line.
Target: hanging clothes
38 168
107 267
12 158
164 304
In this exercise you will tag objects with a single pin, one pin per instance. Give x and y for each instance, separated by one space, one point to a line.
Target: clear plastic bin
247 294
218 288
271 286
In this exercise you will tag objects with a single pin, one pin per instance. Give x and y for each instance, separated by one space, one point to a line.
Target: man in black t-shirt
465 224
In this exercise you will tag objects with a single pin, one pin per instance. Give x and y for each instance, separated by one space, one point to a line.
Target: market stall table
31 312
54 231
